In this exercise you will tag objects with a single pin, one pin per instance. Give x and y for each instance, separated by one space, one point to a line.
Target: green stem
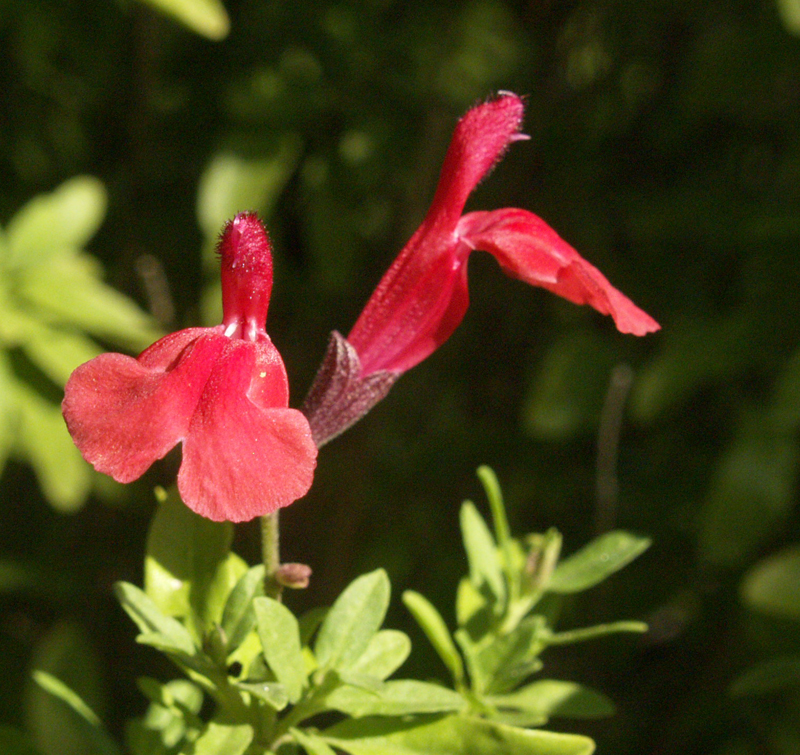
270 554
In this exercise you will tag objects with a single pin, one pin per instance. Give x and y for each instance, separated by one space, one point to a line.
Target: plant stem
270 554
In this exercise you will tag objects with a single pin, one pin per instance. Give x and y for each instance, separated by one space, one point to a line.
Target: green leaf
311 743
68 290
57 352
352 621
773 585
231 183
238 617
223 739
43 438
451 735
395 698
206 17
592 633
83 724
432 623
597 561
280 638
272 693
385 653
50 223
549 697
186 556
751 493
153 624
14 742
485 567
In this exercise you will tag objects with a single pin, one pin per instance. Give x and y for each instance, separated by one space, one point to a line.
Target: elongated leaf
238 617
485 566
550 697
69 290
185 555
280 638
151 621
57 352
774 675
385 653
451 735
432 623
311 743
773 585
84 723
597 561
223 739
353 620
51 223
272 693
591 633
206 17
395 698
63 474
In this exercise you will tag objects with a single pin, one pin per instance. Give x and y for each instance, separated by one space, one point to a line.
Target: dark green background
665 146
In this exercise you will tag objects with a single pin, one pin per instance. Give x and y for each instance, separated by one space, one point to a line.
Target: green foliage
270 675
53 304
205 17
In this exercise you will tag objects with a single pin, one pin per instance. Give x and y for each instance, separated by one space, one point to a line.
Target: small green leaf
68 290
186 556
352 621
205 17
449 735
395 698
43 438
51 223
272 693
311 743
773 585
386 652
238 617
223 739
484 561
280 638
592 633
151 622
432 623
549 697
469 602
597 561
84 722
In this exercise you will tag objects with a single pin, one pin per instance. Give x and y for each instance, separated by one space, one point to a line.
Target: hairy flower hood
222 392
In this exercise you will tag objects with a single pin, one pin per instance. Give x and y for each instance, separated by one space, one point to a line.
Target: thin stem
270 554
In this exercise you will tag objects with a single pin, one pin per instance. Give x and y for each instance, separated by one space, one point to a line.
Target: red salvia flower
221 391
423 296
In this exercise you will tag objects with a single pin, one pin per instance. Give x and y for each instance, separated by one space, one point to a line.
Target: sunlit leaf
596 561
546 698
451 735
223 739
238 617
432 623
484 561
280 639
352 621
395 698
205 17
385 653
49 224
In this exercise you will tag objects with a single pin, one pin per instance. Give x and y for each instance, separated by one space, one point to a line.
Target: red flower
221 391
423 296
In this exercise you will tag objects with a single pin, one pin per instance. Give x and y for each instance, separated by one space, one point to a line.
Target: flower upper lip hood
423 296
221 391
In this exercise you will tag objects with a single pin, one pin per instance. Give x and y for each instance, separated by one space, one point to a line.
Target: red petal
243 459
527 248
125 413
479 140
